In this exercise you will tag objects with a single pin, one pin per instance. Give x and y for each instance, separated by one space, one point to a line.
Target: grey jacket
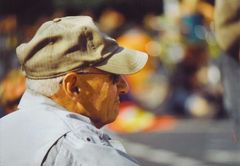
44 133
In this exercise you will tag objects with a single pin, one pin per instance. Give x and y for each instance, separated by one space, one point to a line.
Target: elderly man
74 79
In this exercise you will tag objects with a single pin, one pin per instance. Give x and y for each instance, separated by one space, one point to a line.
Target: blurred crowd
183 74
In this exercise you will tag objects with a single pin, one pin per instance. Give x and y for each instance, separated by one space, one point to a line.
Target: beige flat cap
72 44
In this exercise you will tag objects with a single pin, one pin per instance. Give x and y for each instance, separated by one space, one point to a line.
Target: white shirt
44 133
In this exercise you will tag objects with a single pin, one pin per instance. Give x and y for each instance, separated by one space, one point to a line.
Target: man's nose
122 85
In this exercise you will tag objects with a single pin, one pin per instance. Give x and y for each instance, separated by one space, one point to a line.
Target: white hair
46 87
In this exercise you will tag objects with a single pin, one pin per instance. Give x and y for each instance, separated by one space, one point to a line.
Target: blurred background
174 114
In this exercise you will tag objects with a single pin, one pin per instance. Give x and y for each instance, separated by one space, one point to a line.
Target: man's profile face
99 94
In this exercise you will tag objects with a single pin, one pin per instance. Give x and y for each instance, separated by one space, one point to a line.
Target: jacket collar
31 99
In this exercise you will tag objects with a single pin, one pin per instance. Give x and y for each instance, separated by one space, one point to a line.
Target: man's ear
69 83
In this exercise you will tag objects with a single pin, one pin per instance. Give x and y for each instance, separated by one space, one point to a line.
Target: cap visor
124 61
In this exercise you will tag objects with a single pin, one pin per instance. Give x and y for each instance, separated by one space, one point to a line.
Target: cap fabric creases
75 43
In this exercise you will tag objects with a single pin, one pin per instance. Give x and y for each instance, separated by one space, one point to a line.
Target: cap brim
124 61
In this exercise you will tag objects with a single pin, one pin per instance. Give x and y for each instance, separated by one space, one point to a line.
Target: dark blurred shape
135 10
27 11
212 2
8 42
